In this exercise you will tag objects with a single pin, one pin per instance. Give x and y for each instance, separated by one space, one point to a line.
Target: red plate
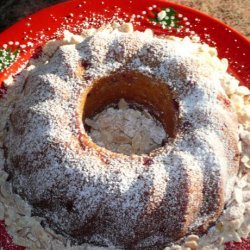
30 33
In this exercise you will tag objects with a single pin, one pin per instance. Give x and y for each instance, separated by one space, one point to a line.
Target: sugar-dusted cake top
107 199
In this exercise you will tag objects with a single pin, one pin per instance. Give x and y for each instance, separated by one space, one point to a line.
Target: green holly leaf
7 57
167 18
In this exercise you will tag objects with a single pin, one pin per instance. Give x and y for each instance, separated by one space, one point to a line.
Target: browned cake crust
109 199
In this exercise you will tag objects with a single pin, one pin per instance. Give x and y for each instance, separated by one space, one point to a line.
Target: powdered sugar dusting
123 201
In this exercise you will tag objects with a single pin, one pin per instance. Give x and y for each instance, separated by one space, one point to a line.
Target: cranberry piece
147 161
37 53
85 64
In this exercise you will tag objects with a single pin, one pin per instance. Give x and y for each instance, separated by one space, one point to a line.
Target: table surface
235 13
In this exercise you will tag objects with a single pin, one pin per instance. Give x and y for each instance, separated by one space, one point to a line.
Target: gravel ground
235 13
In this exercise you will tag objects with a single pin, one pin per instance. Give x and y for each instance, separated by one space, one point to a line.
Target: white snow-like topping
161 15
114 200
126 130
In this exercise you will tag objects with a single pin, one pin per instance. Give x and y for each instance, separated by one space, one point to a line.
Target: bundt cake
94 195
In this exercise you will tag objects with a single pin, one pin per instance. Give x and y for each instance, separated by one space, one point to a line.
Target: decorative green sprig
7 57
167 18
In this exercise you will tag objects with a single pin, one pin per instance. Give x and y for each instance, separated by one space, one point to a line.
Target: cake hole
129 113
126 128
